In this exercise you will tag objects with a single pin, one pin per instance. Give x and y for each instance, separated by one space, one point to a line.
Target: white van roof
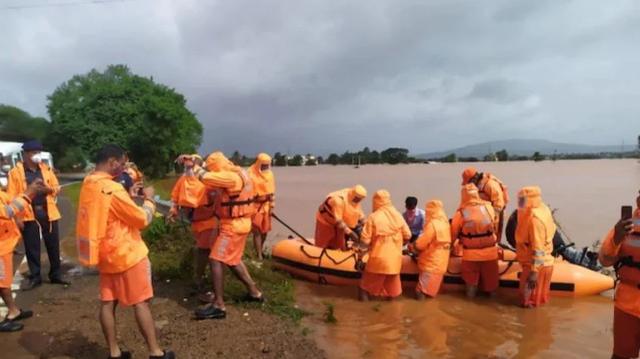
10 147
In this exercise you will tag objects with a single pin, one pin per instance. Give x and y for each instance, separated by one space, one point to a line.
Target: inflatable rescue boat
328 266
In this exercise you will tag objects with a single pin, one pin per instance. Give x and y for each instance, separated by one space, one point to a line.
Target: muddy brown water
588 196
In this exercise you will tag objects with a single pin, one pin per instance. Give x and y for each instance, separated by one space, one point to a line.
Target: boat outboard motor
582 257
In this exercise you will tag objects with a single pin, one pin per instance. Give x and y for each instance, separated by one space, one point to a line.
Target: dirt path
66 326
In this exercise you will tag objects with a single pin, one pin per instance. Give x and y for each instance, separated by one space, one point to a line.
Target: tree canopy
18 126
150 120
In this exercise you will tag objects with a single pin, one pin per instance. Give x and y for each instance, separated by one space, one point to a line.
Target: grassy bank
170 251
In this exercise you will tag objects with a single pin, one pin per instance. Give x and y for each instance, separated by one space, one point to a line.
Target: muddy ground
66 326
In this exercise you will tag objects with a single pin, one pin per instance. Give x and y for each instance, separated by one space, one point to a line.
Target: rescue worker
414 217
339 217
534 245
474 227
385 231
9 237
492 190
108 229
234 209
433 247
41 218
204 225
621 249
265 187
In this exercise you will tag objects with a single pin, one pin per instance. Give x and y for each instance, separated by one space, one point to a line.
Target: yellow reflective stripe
538 262
538 253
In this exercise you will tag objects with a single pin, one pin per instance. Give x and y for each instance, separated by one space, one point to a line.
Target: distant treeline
395 155
503 156
391 155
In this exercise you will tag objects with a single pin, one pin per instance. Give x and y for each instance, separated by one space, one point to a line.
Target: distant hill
525 148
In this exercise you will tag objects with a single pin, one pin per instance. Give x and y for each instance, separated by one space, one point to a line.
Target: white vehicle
13 151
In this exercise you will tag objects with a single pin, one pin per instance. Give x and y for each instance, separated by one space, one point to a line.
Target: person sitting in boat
385 231
534 244
338 218
433 247
414 217
621 249
473 225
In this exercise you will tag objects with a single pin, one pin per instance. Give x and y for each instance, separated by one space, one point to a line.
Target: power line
61 4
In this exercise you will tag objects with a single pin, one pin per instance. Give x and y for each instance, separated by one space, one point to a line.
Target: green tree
395 155
311 161
236 158
150 120
18 125
297 160
279 159
502 155
538 157
450 158
333 159
374 157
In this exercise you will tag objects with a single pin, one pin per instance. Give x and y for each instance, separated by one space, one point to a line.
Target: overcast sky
327 76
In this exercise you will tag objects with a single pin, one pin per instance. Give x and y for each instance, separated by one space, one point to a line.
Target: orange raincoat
337 216
109 224
233 206
265 187
534 245
385 231
434 245
10 234
17 184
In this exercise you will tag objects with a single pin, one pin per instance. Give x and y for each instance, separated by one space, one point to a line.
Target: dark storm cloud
318 76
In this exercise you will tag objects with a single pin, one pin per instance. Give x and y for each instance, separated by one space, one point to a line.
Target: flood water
588 196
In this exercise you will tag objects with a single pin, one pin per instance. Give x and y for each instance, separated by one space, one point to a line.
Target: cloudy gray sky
323 76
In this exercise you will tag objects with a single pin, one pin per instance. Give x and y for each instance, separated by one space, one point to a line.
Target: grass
329 316
163 186
72 192
170 252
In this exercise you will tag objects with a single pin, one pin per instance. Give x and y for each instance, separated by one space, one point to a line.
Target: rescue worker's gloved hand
622 229
354 236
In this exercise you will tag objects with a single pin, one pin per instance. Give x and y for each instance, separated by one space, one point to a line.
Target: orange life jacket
478 228
628 266
503 187
229 206
93 214
190 192
350 213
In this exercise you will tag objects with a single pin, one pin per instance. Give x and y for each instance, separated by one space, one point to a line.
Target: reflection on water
588 195
453 327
